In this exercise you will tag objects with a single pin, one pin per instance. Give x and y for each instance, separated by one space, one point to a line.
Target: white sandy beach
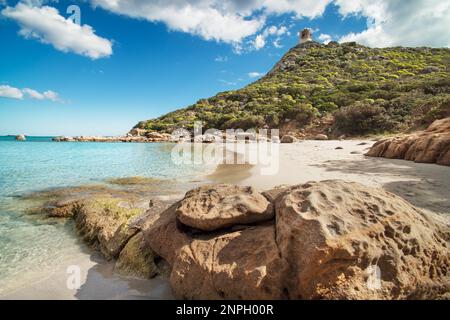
427 186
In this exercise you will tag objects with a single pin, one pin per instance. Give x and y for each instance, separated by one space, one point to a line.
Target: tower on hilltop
305 35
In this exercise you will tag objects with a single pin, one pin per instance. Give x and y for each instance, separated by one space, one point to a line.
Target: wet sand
98 282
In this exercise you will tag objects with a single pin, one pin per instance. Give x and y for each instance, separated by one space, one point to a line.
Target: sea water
32 249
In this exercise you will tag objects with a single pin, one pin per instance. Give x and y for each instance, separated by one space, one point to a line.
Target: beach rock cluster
319 240
150 137
429 146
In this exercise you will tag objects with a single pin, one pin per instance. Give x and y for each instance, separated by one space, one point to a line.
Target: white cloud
221 59
7 91
243 24
210 20
229 83
276 43
301 8
254 74
393 23
228 21
325 38
271 31
49 94
10 92
259 42
48 26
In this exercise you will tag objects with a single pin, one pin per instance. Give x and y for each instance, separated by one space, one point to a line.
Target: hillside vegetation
366 90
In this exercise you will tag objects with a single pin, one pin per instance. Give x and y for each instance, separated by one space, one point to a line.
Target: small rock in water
355 152
21 137
339 148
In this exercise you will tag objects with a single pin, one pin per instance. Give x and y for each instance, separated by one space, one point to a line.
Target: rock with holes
241 264
429 146
215 207
342 240
329 240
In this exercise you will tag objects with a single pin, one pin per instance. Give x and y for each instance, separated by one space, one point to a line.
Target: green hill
366 90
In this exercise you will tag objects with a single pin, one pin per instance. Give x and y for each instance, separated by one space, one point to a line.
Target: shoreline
423 185
98 277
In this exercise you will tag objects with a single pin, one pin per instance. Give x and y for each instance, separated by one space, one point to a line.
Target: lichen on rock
103 224
138 260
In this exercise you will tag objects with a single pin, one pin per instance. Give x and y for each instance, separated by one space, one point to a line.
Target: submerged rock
429 146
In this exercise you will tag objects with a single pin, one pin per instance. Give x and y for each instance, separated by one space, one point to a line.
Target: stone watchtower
305 35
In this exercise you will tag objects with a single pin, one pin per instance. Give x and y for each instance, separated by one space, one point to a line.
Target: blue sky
136 65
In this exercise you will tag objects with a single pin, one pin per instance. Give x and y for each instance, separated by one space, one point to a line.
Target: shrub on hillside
362 118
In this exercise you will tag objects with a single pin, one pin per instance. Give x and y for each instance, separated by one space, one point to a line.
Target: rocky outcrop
136 132
141 136
209 208
429 146
333 234
329 240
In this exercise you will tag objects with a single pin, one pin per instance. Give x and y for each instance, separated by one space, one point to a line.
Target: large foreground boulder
334 235
429 146
210 208
329 240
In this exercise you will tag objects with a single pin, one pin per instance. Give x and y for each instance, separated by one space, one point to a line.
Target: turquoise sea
31 248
